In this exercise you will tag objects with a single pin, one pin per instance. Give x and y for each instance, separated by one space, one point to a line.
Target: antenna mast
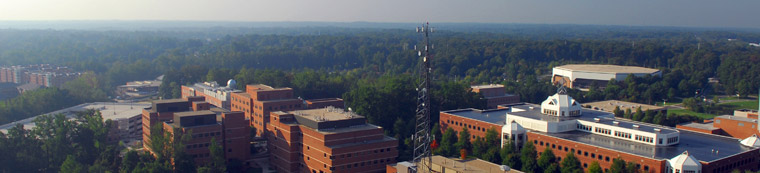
421 137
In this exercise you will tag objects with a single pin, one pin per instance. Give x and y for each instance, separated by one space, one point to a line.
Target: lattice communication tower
422 137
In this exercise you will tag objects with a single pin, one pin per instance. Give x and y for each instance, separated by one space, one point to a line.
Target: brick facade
475 127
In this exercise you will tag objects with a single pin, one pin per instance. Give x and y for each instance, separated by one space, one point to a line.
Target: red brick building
214 94
198 119
259 100
327 140
561 124
495 95
741 125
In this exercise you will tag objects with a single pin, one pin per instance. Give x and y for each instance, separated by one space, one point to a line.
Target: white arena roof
603 68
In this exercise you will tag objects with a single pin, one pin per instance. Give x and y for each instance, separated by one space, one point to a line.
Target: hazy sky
704 13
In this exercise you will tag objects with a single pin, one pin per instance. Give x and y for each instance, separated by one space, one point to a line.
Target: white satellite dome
231 84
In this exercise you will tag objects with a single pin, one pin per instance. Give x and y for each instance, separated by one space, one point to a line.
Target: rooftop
194 113
169 101
493 116
731 117
603 68
524 110
705 126
701 146
459 165
609 105
326 114
533 111
488 86
108 110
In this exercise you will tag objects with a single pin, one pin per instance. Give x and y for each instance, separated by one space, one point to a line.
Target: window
740 124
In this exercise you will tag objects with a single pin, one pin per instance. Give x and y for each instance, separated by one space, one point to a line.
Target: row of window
672 140
623 134
579 153
584 127
362 164
200 155
735 165
469 126
602 130
202 135
646 139
203 145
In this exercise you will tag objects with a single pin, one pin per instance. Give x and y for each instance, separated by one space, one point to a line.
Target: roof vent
635 126
657 130
597 119
531 108
616 123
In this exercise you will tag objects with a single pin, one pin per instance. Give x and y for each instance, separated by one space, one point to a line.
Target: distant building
443 164
742 124
609 106
327 140
583 76
561 124
41 74
259 100
198 119
27 87
495 94
214 94
137 89
126 118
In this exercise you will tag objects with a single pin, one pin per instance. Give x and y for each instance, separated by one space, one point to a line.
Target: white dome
231 84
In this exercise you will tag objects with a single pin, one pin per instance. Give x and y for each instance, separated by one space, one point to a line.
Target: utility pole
422 137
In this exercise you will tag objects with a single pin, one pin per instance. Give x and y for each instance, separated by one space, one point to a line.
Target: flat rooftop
463 166
326 114
194 113
603 68
488 86
109 111
609 105
731 117
705 126
493 116
169 101
533 111
699 145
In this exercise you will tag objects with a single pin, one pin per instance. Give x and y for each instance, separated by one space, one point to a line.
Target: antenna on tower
421 137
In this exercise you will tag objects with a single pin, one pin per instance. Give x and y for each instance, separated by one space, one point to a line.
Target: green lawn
741 105
685 111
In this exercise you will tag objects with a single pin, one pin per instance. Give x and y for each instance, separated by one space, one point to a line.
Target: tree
70 165
436 131
571 164
553 168
547 158
594 168
464 140
130 161
638 115
628 114
618 112
479 147
630 167
618 166
508 156
660 118
528 157
447 143
217 157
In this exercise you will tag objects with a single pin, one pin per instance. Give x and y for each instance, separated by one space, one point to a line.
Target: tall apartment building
191 116
259 100
495 95
214 94
327 140
41 74
561 124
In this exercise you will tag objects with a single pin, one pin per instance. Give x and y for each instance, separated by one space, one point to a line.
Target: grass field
686 111
741 105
